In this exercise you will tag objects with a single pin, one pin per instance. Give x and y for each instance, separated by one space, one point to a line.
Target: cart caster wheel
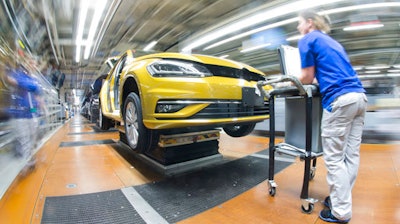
272 191
309 210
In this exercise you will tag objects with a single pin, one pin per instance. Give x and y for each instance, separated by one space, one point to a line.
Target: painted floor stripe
148 214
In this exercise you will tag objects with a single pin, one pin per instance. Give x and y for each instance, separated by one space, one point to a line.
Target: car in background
90 102
84 109
93 98
174 93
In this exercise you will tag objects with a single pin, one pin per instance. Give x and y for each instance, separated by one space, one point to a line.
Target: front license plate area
250 98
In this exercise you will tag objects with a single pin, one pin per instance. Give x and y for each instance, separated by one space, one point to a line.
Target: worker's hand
283 84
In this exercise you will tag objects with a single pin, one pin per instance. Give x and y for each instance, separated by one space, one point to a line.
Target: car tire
237 130
135 132
93 119
104 122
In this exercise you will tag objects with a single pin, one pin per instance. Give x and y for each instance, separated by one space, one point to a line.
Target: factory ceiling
228 28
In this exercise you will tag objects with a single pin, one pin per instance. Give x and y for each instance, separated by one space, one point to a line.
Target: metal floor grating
86 143
174 198
105 207
183 196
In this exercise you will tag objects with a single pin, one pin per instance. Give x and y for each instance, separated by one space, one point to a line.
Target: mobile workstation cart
302 138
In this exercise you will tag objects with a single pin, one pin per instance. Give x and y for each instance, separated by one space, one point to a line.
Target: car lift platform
184 152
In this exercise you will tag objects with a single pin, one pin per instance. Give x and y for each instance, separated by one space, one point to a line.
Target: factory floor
84 175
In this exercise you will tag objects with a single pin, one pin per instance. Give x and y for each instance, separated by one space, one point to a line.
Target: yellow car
173 93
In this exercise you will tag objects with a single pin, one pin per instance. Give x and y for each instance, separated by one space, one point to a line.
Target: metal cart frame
307 154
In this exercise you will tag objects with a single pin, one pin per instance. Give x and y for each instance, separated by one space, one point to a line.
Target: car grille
231 110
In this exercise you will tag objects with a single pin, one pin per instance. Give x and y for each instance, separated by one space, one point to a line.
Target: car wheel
237 130
135 132
104 122
93 119
94 115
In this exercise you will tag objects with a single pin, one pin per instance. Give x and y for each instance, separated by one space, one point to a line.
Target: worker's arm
307 75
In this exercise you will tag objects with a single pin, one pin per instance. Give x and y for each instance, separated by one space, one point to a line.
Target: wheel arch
130 85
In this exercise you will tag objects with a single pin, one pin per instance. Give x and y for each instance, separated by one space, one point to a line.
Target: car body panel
194 92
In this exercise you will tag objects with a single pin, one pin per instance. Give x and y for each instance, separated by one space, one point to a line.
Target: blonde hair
321 22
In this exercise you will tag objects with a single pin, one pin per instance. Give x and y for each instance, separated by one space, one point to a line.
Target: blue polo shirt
24 103
333 70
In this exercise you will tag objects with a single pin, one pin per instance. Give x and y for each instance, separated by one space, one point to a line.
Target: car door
114 82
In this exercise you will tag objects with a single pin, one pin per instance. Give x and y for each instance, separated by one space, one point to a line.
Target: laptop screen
290 62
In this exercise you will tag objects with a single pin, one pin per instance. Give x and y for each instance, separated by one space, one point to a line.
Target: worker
24 111
344 104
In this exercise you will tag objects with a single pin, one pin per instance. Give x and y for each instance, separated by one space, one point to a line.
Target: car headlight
175 68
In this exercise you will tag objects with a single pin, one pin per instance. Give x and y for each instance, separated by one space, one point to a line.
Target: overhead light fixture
224 56
100 5
394 70
295 37
150 45
210 38
371 76
248 33
83 9
372 72
376 67
394 75
357 68
363 22
360 7
255 48
364 26
256 19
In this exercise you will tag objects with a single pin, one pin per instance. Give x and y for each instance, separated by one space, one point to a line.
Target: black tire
239 130
93 119
135 132
104 122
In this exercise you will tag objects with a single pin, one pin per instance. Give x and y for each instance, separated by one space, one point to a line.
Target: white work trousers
341 132
25 132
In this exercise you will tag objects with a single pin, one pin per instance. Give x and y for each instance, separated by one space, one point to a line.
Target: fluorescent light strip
372 72
363 27
255 48
81 25
394 75
258 18
100 5
150 45
371 76
379 75
248 33
295 19
357 68
358 7
376 67
296 37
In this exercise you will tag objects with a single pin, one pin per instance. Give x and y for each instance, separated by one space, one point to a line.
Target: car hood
204 59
